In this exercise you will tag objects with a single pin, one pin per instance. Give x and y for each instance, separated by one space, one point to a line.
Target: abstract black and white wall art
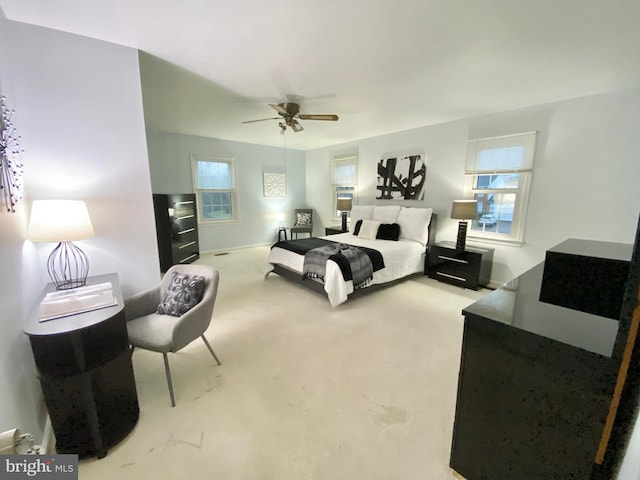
401 178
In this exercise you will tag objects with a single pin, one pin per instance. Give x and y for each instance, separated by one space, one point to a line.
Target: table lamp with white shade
62 222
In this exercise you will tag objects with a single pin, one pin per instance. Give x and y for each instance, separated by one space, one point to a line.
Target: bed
400 235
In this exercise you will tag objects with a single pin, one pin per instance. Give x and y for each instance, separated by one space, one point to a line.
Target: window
215 186
344 176
498 175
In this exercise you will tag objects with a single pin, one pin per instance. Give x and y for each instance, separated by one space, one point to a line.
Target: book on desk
64 303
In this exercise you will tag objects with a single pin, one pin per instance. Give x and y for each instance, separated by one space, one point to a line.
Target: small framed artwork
275 184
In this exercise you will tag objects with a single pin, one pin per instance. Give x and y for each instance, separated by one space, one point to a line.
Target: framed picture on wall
275 184
401 178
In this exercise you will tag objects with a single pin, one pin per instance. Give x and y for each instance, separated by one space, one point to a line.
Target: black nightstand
469 268
333 230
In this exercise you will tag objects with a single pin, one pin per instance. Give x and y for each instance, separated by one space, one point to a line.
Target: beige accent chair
165 333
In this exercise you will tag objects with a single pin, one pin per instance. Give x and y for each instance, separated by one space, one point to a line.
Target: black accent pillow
356 229
388 231
183 293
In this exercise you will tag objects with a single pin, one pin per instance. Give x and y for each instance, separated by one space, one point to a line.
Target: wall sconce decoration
63 221
11 168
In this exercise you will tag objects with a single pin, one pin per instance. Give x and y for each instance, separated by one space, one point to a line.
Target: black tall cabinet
176 228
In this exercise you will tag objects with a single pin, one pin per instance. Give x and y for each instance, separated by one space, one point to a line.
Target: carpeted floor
305 391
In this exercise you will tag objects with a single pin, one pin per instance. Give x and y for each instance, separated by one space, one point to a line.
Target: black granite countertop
516 304
596 249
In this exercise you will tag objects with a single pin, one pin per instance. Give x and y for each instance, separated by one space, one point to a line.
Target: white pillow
414 224
386 214
369 229
360 212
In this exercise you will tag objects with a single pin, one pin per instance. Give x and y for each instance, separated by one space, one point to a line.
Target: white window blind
345 171
214 175
344 178
512 153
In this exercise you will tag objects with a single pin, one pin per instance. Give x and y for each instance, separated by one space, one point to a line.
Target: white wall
20 398
584 182
79 110
169 157
21 402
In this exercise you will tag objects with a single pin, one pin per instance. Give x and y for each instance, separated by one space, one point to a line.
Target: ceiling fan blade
261 120
280 108
331 118
296 126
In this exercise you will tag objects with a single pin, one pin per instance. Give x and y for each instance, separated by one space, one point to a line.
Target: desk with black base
85 371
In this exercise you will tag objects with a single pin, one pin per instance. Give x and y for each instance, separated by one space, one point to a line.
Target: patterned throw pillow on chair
183 293
303 218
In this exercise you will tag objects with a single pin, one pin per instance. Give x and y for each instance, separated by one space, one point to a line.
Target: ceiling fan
289 115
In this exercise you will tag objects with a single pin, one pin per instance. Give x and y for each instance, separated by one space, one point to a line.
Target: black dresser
535 385
176 228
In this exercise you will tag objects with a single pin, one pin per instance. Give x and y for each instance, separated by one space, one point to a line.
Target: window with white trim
498 175
214 182
344 178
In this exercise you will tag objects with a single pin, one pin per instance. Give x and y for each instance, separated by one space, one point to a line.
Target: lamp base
68 266
462 235
344 222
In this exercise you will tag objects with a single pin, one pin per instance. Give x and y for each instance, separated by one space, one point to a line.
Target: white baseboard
242 247
48 438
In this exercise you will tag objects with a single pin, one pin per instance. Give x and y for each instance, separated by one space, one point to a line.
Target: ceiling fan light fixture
294 124
289 113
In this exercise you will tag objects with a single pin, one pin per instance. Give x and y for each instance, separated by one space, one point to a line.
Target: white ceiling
381 65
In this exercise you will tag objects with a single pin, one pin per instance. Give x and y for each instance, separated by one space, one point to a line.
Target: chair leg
210 349
169 382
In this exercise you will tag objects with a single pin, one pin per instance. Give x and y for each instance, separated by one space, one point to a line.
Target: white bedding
401 258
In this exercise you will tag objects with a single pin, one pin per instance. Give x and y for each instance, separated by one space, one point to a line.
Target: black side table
282 230
469 268
85 371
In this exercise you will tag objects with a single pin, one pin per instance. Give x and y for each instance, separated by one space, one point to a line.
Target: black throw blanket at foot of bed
304 245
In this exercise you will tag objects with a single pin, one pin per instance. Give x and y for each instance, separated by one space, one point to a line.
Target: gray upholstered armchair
166 333
304 222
